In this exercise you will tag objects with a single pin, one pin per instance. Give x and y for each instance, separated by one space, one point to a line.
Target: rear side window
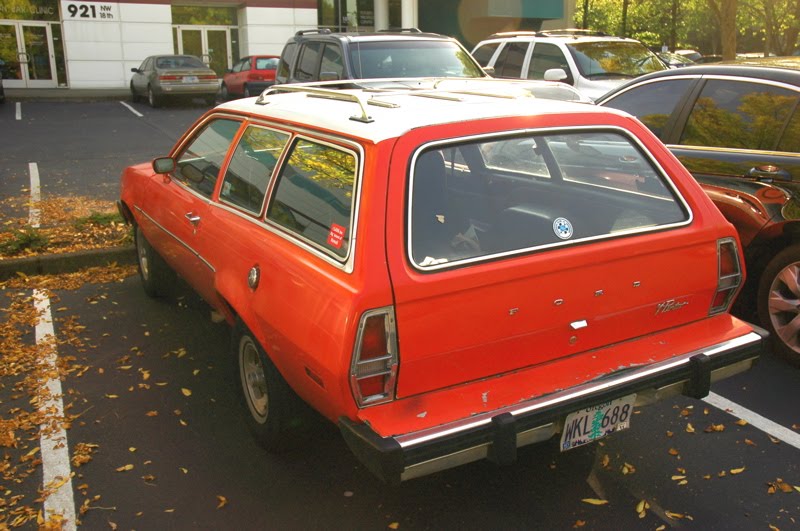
314 196
285 64
249 172
308 62
533 192
199 163
652 103
509 62
332 66
484 53
739 114
791 137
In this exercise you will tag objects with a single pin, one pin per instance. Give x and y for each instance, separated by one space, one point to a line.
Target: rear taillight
207 76
373 371
729 276
169 78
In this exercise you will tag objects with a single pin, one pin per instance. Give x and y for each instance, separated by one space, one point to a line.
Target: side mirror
164 165
328 76
555 74
489 70
136 71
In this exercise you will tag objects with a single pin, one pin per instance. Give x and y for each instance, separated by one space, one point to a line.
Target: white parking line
57 475
771 428
34 214
134 111
19 111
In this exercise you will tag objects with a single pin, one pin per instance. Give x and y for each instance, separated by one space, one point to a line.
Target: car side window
314 195
739 115
546 56
308 62
146 65
791 136
199 163
250 170
484 53
509 62
652 103
332 66
285 63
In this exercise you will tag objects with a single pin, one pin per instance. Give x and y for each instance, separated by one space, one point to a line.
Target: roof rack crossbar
400 30
364 117
318 31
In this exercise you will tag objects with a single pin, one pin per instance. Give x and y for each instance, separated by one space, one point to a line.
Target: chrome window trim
543 131
758 152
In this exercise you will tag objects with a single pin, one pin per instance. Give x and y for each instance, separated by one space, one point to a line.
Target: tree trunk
725 13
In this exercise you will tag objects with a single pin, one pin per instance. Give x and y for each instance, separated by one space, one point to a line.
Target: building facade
94 44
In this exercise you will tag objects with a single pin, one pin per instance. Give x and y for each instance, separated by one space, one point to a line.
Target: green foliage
97 218
22 240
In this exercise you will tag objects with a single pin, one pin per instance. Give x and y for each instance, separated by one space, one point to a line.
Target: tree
725 13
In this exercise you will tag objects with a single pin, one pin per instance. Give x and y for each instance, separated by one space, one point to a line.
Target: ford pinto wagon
447 273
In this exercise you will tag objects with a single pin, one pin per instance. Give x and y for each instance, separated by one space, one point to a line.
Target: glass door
26 52
212 45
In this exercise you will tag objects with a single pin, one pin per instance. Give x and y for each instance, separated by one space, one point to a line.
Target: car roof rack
400 30
574 32
318 31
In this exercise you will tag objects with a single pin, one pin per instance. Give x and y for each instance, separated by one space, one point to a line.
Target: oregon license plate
592 423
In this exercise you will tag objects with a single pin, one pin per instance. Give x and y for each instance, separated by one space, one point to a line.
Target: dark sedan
736 127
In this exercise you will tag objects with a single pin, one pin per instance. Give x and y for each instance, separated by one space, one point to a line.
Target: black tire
154 272
134 96
272 409
152 98
779 302
223 93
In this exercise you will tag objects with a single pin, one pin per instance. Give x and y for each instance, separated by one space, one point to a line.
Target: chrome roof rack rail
364 117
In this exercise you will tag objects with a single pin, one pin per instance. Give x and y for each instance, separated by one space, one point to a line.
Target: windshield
417 58
614 59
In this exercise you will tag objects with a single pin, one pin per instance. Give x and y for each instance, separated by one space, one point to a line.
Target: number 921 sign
89 11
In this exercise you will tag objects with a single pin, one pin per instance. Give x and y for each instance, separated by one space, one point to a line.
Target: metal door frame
24 57
206 57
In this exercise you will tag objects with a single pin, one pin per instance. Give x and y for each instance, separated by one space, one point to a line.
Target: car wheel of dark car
273 406
153 271
223 92
153 99
779 302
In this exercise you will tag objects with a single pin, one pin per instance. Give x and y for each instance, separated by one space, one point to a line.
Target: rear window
314 196
266 63
530 192
381 59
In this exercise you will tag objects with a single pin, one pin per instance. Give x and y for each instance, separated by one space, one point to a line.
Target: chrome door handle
193 218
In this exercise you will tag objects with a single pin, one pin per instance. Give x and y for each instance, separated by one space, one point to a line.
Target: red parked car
446 273
249 77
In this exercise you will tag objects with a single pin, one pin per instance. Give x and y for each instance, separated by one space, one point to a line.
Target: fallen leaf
186 392
689 428
112 396
184 470
669 434
735 471
223 501
715 428
672 451
152 413
605 461
674 516
748 442
741 422
678 478
125 468
594 501
627 468
169 510
579 523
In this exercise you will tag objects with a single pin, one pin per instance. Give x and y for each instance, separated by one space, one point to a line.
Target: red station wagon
448 273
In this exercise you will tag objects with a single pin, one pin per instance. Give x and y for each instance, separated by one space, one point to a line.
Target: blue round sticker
563 228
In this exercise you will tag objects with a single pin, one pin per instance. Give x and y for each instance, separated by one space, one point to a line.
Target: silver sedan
161 76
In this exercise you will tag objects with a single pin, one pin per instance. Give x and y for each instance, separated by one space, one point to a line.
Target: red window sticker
336 236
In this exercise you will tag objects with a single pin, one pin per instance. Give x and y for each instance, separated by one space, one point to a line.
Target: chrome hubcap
253 380
144 260
784 306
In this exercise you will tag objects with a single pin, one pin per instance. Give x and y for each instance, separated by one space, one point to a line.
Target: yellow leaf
152 413
683 482
183 422
112 396
689 428
169 510
674 516
394 525
737 470
672 451
741 422
186 392
125 468
605 461
594 501
797 489
184 470
661 528
196 372
223 501
640 506
132 449
748 442
678 478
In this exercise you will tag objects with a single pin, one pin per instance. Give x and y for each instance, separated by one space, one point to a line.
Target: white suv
592 62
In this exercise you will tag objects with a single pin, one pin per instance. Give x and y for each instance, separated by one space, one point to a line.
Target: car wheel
272 405
246 91
779 302
152 98
153 271
223 92
134 96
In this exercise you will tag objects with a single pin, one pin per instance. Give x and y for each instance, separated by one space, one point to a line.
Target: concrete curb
50 264
65 95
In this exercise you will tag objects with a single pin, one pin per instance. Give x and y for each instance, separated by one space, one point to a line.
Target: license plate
593 423
190 79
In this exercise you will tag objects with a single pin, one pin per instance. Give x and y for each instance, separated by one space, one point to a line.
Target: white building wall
264 30
100 52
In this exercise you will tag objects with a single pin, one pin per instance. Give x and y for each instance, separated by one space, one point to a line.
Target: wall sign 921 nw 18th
90 10
592 423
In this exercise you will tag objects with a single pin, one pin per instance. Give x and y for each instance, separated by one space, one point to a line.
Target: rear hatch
541 246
